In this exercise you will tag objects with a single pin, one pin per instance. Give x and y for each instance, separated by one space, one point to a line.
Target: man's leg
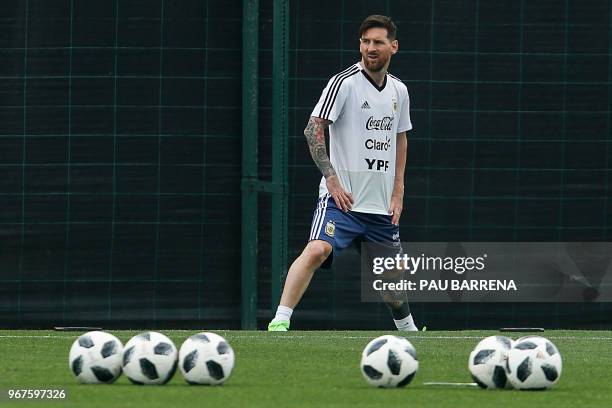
397 302
385 241
331 229
400 310
301 271
298 278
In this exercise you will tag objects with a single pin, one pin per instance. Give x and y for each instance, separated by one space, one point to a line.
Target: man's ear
394 46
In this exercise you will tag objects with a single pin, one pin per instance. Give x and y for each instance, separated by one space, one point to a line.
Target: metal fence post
280 145
248 264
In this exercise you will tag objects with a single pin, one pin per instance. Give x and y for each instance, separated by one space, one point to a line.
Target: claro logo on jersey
373 144
385 123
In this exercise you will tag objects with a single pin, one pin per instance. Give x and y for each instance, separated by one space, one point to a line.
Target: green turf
311 369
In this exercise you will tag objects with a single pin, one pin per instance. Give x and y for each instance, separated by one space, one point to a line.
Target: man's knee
394 304
317 252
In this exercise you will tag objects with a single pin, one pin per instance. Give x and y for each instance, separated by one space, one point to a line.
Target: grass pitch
309 369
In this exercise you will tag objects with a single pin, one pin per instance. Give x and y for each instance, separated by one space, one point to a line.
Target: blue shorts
340 229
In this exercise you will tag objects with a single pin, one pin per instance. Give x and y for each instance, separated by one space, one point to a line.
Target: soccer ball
95 358
149 358
206 358
487 362
389 361
534 363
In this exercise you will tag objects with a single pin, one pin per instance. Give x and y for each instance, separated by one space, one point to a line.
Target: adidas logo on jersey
365 105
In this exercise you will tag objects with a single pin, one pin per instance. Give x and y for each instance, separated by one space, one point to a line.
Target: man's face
376 49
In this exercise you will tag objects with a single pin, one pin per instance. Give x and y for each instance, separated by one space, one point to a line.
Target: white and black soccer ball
534 363
149 358
206 358
487 362
95 357
389 361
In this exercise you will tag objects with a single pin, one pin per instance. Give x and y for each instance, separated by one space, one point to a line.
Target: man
362 188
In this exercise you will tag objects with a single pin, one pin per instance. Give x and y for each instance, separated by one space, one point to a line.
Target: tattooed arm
315 136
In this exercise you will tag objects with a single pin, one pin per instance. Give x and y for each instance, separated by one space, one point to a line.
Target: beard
376 65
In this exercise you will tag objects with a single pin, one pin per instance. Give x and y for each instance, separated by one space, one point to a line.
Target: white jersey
366 119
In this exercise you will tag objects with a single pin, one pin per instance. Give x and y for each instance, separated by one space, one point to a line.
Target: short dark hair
377 20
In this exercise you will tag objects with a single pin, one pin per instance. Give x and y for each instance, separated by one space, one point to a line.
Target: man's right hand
343 200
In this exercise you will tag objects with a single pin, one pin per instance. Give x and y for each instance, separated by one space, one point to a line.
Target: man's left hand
397 205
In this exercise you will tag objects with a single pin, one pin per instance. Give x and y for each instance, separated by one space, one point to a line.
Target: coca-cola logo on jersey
385 123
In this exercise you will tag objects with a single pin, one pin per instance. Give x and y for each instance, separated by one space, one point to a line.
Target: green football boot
282 325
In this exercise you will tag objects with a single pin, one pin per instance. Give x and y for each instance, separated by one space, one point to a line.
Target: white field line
36 337
293 337
282 337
